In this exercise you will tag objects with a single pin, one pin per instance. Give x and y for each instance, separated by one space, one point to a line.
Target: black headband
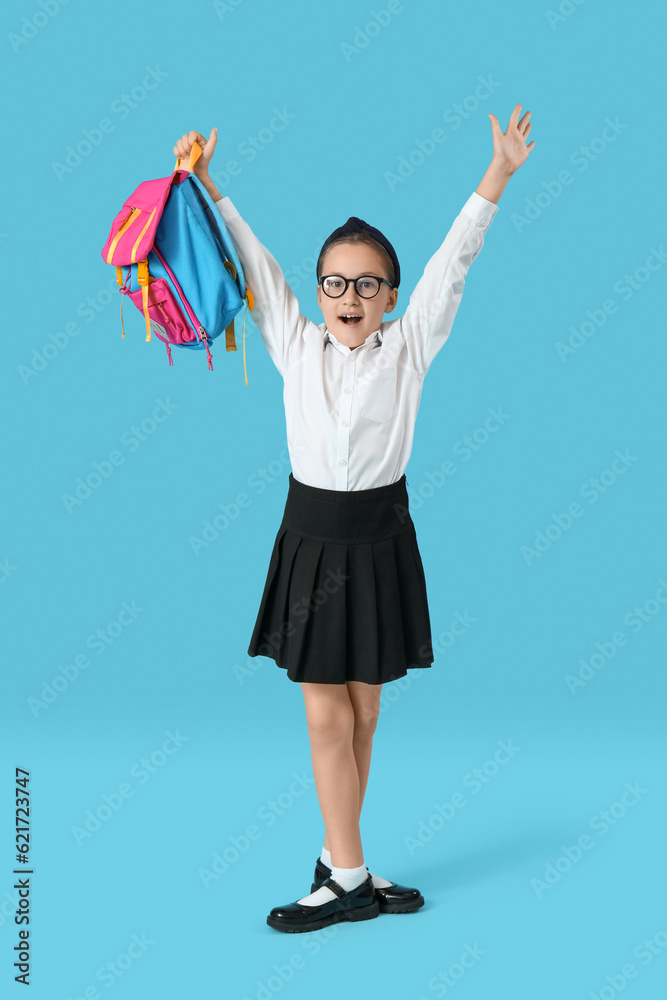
355 225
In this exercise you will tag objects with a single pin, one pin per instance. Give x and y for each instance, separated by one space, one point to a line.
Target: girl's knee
330 717
365 700
365 721
331 727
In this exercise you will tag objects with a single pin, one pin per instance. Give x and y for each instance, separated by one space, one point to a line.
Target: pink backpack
176 261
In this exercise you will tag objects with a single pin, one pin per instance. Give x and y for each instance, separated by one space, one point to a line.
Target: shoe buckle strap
334 886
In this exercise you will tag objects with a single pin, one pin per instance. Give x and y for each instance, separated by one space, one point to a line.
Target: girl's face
352 260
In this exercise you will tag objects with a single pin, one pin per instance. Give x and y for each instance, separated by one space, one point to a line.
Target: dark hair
359 238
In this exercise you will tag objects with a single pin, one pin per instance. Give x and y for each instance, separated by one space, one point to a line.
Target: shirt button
345 423
342 461
348 391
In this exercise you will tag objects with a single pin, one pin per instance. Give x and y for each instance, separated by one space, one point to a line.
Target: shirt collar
328 337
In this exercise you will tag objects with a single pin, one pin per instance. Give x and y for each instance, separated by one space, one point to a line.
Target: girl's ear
391 300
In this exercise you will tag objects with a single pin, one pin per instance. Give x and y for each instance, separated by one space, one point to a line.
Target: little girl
344 608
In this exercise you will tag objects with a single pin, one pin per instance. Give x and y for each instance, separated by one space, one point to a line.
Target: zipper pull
204 336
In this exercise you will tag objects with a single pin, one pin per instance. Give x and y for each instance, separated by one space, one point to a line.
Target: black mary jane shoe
357 904
393 898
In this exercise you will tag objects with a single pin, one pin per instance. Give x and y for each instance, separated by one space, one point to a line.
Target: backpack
176 261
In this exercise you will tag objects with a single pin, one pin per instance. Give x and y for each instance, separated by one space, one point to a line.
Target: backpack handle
195 153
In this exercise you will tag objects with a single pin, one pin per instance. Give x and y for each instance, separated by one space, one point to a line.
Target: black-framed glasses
367 285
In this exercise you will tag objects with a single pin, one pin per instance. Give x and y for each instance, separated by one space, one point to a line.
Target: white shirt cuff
480 209
226 208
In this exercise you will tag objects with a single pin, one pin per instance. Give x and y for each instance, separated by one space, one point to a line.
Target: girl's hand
185 144
509 148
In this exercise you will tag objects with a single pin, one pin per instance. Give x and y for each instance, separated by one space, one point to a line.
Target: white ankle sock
321 895
347 878
378 881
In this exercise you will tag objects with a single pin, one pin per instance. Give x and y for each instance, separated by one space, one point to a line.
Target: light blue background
179 666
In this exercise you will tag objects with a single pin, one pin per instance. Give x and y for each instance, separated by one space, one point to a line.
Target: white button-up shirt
351 412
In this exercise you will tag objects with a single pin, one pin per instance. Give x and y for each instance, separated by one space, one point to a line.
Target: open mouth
351 319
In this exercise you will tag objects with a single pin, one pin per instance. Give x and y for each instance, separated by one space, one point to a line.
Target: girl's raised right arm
276 310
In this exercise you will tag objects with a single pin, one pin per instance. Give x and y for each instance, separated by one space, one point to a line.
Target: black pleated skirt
345 594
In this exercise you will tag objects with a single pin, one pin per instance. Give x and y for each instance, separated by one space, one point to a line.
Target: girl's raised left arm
428 319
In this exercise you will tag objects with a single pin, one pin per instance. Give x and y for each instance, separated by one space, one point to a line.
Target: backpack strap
244 367
143 278
250 304
120 281
126 225
195 153
230 340
229 333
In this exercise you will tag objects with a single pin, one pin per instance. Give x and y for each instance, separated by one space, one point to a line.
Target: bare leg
331 718
365 699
